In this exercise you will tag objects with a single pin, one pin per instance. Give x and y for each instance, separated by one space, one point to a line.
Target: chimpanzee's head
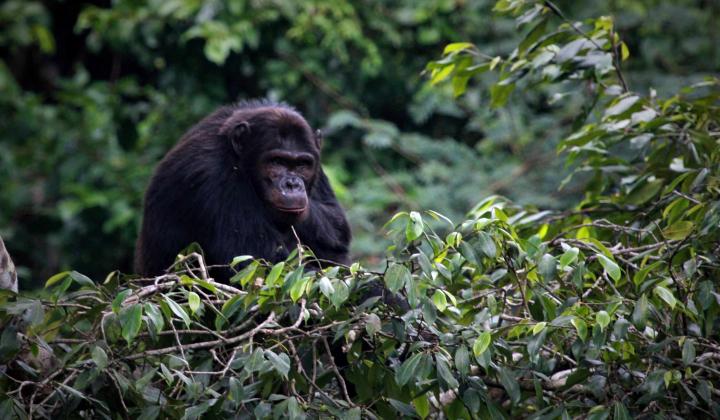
281 155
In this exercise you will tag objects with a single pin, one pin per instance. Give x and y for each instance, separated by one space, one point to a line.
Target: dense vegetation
605 307
94 93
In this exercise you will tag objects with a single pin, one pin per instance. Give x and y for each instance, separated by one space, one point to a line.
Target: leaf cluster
608 309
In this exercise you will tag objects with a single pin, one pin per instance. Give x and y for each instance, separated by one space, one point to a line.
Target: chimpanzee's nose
292 183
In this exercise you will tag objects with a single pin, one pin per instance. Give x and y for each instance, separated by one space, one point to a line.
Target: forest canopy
550 173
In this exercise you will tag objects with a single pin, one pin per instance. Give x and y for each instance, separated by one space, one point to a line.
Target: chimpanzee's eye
303 164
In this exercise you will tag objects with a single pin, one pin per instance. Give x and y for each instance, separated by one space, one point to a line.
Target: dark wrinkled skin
237 183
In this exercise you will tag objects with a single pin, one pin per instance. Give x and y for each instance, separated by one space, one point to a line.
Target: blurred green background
93 93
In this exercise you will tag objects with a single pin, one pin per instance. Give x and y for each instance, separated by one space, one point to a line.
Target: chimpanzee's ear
318 139
235 129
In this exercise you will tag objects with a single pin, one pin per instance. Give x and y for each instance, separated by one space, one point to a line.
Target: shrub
607 309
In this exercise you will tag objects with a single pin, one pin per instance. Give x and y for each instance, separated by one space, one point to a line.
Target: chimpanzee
237 183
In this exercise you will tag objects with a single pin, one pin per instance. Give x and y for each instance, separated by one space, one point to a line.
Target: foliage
92 96
606 309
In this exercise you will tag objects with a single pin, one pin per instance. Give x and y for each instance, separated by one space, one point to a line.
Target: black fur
204 191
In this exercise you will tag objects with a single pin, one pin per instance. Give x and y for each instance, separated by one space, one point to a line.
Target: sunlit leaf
193 302
177 310
439 300
482 343
603 319
666 295
580 327
457 46
414 227
611 268
539 327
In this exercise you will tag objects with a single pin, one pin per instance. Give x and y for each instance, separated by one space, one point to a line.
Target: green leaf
341 293
236 390
99 357
602 318
640 313
228 310
569 257
246 274
511 385
354 413
396 277
443 73
457 46
414 227
547 267
81 279
580 327
704 391
241 258
539 327
624 54
451 297
44 38
298 288
154 316
621 106
422 406
281 362
443 371
462 360
468 253
454 239
425 264
408 369
292 278
499 94
150 412
177 310
641 274
274 274
131 320
439 300
642 194
665 295
326 287
193 302
678 230
611 268
688 351
482 343
487 245
459 84
119 299
620 412
56 278
196 411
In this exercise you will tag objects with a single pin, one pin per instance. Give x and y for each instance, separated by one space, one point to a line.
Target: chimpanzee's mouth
294 210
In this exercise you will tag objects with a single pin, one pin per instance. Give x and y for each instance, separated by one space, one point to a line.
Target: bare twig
204 344
339 377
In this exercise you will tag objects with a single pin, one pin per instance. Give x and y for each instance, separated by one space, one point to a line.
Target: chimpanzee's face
282 155
286 176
